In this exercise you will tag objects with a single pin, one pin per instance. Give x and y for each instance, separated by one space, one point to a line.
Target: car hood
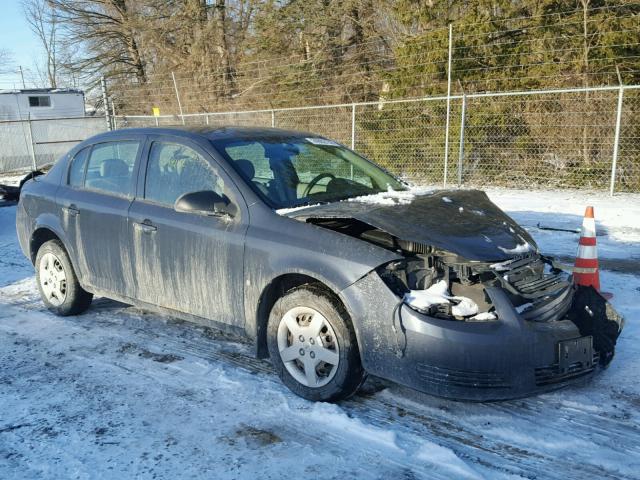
463 222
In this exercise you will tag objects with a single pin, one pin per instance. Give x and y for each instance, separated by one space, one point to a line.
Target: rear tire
57 281
313 346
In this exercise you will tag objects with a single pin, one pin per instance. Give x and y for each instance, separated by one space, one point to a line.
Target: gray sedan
332 266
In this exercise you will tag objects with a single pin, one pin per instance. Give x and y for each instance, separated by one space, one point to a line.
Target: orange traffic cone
586 271
586 268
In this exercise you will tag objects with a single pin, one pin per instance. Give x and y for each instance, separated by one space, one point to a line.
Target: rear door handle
146 226
72 210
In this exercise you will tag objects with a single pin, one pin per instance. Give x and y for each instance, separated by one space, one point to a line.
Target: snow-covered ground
13 178
120 393
617 220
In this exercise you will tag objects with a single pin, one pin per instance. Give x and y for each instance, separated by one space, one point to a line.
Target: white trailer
41 103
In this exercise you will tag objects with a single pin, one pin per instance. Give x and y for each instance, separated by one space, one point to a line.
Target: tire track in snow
389 412
467 444
474 446
370 459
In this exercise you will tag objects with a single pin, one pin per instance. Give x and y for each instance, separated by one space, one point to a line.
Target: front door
188 262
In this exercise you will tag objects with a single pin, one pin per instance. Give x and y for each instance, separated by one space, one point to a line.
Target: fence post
114 125
461 151
34 164
175 86
353 126
446 132
616 141
273 119
105 101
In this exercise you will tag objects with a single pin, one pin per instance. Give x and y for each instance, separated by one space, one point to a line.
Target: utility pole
24 85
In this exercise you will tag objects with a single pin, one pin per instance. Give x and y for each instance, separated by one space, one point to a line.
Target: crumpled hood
464 222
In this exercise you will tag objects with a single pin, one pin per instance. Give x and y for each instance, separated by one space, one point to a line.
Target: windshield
293 171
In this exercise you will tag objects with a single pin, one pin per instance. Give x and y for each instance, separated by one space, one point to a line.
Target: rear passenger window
110 166
76 171
175 169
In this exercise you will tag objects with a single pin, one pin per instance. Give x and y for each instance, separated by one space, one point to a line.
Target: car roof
211 133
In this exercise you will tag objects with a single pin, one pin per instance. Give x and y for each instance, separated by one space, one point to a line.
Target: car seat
114 176
248 170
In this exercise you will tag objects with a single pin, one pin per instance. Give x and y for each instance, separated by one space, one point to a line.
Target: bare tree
107 32
586 48
43 23
222 45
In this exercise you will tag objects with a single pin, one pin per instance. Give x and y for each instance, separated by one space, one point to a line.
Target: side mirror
205 202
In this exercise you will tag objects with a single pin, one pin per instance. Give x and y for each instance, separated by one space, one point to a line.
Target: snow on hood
520 248
392 197
287 211
464 222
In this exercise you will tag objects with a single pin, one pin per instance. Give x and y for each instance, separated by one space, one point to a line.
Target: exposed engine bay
537 288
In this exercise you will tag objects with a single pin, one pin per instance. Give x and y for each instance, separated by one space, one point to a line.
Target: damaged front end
563 332
438 282
442 285
493 322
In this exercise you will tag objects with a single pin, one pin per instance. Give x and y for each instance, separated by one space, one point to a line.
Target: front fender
285 246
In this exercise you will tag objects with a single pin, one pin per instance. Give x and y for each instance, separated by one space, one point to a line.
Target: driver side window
174 169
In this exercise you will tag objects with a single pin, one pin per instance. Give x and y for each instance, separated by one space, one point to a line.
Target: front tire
312 345
57 281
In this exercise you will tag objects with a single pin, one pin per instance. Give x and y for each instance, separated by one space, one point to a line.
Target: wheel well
275 290
39 237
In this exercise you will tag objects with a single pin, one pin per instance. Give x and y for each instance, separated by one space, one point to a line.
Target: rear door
95 202
186 261
70 191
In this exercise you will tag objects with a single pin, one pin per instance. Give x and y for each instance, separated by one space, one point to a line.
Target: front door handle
146 226
72 210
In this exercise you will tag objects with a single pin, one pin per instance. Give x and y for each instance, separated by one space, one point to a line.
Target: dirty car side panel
96 225
191 262
37 209
277 245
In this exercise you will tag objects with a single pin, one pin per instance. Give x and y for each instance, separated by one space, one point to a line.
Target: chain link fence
563 138
550 140
628 167
28 143
569 138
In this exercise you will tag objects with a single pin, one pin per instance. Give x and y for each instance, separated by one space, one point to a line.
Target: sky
16 37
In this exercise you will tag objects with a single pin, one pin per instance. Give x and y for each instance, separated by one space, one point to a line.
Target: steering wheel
315 181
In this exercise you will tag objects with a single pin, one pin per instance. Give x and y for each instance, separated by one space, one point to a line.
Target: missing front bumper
508 358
